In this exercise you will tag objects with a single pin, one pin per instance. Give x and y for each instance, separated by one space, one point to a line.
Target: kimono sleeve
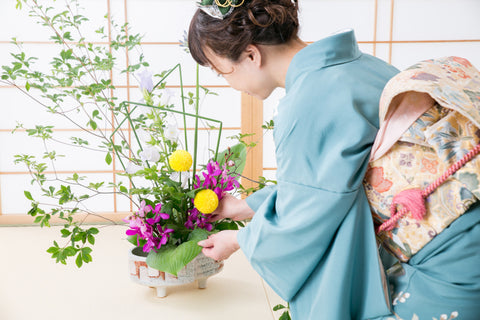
287 237
255 200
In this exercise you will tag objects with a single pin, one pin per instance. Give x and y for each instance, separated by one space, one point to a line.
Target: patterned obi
429 119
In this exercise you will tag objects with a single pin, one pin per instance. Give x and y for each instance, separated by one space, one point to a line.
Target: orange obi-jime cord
413 200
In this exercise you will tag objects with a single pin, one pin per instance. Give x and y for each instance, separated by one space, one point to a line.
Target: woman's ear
254 55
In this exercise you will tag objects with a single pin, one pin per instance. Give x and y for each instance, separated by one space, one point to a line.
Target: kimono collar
335 49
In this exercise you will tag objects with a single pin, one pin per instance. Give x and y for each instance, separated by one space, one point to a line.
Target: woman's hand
233 208
221 245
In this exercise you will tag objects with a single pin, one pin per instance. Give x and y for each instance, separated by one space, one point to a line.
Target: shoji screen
401 32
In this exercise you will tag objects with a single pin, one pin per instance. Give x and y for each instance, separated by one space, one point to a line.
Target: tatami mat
34 287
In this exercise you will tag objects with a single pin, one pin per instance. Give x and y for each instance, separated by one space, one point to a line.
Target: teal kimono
312 236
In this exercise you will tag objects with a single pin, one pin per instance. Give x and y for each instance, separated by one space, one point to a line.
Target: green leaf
172 259
91 239
52 250
27 86
87 258
86 254
28 195
93 231
65 233
33 211
285 316
133 240
79 260
108 158
226 225
70 251
92 124
278 307
238 154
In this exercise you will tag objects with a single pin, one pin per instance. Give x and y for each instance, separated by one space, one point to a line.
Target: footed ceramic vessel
199 269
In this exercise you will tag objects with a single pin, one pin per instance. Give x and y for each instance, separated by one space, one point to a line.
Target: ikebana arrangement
171 191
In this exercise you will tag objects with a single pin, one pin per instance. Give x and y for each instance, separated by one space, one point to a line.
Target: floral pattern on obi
436 140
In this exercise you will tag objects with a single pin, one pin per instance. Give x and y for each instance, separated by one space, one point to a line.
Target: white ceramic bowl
199 269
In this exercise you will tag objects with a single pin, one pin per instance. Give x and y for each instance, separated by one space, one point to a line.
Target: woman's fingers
207 243
215 217
221 245
211 253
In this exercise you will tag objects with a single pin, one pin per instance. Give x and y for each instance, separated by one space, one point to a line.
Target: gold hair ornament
228 3
219 9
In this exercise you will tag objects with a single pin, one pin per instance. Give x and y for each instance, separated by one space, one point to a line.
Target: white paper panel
405 55
383 19
320 18
436 20
163 20
13 186
269 160
270 174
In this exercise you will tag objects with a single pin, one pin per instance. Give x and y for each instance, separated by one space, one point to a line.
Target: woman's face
247 75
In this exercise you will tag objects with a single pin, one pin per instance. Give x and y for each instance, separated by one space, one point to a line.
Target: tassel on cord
413 200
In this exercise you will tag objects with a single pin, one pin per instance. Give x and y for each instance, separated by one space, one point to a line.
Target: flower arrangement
175 214
173 194
178 216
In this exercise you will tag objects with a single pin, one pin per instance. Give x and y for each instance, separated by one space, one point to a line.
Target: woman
311 237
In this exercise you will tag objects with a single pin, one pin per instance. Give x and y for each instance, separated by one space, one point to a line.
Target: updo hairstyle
258 22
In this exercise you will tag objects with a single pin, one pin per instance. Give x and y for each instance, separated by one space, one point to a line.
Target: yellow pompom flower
180 160
206 201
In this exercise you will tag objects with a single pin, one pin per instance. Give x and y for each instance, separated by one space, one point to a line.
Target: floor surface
34 287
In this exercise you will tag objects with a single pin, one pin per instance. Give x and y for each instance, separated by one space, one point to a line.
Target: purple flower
203 224
213 171
196 219
213 168
149 245
159 240
149 229
139 228
134 224
197 182
164 234
158 215
144 209
209 181
192 219
146 81
217 179
189 224
218 191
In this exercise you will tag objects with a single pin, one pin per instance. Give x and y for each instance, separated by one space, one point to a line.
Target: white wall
410 31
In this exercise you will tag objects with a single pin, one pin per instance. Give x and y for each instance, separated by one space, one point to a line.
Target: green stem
197 99
183 108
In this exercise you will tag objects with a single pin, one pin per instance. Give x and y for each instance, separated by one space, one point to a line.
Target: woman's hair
265 22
